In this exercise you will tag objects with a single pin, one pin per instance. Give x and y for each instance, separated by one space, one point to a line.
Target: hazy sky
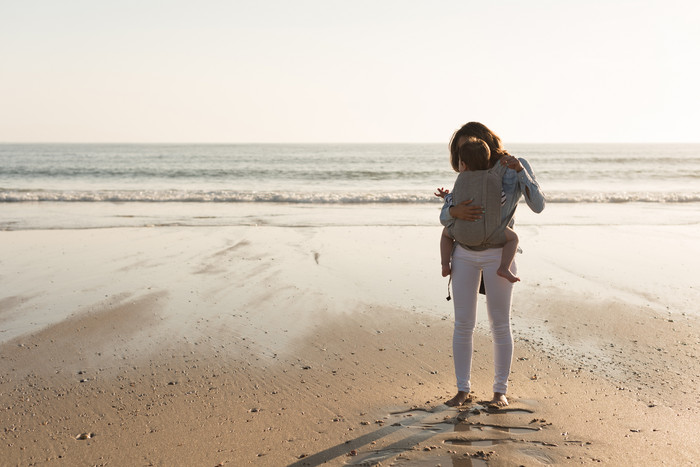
348 71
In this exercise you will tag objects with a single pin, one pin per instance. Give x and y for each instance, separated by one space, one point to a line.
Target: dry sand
290 342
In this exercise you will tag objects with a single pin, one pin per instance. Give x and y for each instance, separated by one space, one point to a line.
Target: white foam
313 197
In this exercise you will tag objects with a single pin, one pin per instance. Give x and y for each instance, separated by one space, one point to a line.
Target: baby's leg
446 244
508 255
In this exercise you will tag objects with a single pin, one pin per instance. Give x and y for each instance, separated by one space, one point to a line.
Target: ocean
331 173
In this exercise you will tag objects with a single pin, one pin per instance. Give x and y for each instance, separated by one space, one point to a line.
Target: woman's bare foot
460 399
499 400
505 272
446 271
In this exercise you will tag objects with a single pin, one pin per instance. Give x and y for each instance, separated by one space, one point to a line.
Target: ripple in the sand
375 457
542 457
504 429
407 460
515 411
453 460
478 442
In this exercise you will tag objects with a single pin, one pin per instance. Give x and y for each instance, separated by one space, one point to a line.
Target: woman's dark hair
476 130
475 154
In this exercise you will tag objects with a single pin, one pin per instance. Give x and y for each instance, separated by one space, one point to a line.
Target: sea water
331 173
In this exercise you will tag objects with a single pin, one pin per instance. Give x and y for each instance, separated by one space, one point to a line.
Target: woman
468 265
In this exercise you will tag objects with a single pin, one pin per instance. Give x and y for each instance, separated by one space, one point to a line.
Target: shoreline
76 215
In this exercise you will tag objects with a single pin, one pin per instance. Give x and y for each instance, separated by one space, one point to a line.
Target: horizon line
329 142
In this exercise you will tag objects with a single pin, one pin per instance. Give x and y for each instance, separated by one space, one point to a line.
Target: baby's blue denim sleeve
445 218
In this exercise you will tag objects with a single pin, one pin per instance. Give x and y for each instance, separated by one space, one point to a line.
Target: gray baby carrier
484 187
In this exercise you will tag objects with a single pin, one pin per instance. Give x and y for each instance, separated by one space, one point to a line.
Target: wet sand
288 342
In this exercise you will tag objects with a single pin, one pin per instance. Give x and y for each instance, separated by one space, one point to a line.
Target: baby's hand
441 193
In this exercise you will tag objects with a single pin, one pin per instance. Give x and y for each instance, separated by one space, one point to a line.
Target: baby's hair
478 130
475 154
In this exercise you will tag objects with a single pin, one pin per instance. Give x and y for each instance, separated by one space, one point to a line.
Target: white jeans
467 266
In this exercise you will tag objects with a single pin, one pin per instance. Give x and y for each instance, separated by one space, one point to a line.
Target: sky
273 71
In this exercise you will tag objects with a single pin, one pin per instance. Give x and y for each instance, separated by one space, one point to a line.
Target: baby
475 155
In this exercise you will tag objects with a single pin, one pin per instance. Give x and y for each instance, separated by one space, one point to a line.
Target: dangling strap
449 297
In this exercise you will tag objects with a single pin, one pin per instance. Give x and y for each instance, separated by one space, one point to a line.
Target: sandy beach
302 335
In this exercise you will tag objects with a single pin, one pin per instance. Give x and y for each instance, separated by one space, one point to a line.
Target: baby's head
478 130
474 154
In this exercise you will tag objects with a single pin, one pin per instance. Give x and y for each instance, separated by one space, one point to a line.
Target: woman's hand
466 212
511 162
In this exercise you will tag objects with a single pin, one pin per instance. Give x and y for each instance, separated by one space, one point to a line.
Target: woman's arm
463 211
526 183
530 188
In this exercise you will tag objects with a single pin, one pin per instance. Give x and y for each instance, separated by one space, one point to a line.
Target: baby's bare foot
499 400
460 399
505 272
